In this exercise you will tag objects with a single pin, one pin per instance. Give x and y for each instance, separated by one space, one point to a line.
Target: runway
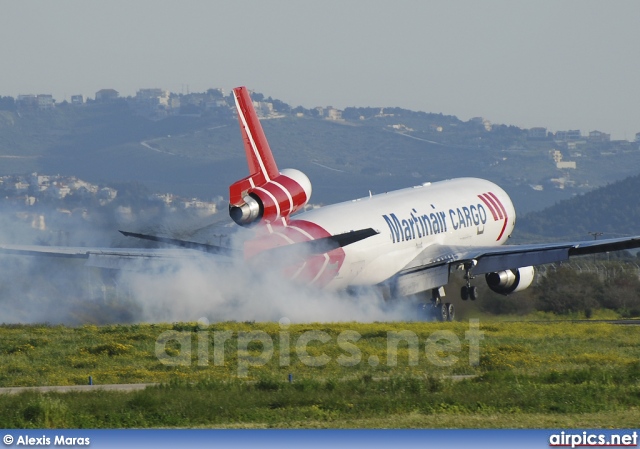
624 322
81 388
135 387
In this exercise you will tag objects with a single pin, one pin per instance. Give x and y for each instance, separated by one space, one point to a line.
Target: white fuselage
457 212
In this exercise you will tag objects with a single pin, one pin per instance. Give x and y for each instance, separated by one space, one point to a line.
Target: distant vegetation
580 289
7 104
607 285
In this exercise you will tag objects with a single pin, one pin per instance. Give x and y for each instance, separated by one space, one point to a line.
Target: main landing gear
437 310
469 291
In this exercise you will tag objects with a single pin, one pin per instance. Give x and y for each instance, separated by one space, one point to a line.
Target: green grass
503 399
528 375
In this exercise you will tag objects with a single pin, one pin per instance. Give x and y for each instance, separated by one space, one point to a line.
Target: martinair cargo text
407 241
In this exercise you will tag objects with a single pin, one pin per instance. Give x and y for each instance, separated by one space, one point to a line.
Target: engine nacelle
510 281
278 198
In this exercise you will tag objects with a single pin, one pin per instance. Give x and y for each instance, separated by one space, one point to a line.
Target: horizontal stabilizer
340 240
204 247
318 246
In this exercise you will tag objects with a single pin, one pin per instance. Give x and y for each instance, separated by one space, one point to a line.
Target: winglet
262 165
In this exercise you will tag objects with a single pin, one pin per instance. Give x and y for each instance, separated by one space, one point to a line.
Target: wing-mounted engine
267 194
510 281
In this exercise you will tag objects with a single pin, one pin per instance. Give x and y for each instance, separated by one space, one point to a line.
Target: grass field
467 374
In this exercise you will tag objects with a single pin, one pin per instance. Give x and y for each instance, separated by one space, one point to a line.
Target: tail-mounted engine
278 198
510 281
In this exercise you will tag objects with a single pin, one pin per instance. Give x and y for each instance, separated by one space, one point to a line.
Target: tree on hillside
564 291
7 104
623 293
280 106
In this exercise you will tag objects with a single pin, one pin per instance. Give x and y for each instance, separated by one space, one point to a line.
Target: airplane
405 242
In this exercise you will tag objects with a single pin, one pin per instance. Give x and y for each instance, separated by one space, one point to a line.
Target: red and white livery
420 233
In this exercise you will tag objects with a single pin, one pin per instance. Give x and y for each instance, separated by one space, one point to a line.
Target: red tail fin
262 165
266 195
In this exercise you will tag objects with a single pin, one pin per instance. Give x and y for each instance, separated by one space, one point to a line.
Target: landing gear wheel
444 312
451 312
469 292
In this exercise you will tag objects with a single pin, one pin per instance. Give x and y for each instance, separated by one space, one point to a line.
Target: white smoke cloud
57 290
201 287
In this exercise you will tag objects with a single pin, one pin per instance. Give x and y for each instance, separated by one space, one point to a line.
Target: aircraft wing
136 258
116 258
430 269
498 258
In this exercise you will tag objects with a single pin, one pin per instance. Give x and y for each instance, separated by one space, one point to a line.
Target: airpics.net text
256 348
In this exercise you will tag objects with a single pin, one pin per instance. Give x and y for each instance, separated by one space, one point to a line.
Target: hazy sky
557 64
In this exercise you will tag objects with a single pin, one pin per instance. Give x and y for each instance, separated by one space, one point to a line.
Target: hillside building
154 103
537 133
597 136
105 95
573 134
41 102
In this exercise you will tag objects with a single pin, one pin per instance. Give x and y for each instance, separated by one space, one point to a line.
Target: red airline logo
497 209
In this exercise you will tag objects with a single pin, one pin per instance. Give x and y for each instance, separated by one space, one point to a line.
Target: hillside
199 153
613 210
